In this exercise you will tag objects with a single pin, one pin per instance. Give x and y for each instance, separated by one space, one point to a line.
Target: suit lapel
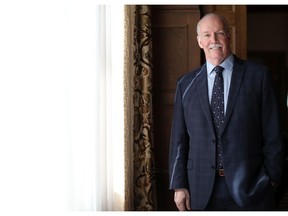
203 95
236 79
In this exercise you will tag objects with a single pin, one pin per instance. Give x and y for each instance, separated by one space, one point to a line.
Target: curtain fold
128 103
110 151
143 178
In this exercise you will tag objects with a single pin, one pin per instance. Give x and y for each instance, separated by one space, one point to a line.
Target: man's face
214 40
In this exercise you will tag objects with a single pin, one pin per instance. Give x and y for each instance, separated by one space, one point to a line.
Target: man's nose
214 37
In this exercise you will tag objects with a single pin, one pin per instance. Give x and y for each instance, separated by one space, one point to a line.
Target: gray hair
222 18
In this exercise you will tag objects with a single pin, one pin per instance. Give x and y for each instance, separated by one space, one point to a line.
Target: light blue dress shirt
227 64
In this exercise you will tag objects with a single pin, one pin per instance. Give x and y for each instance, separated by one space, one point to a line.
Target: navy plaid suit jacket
251 139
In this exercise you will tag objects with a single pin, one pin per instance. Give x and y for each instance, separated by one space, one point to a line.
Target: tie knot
218 69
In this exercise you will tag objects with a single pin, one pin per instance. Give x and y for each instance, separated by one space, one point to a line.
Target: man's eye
206 35
221 33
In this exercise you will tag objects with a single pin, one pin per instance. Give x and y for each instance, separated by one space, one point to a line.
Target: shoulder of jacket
250 64
188 77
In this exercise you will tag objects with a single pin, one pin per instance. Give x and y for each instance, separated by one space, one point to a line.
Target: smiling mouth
215 46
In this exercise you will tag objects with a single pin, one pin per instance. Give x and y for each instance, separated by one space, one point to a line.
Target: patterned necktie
217 108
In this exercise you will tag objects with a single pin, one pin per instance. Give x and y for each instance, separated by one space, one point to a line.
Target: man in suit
233 164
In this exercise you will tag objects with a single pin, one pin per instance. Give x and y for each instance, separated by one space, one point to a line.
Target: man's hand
182 199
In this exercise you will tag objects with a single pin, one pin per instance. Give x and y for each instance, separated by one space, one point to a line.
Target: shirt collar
227 64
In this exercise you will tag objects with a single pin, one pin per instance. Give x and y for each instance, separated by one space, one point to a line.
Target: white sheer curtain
61 106
110 111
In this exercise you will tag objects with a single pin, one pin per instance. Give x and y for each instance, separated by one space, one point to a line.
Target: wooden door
175 52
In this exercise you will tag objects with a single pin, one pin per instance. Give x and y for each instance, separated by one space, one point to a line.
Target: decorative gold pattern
144 190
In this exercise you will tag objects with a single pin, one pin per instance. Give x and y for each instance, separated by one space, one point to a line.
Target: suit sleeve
273 137
179 144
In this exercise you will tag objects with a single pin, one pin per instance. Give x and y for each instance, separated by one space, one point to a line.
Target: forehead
211 23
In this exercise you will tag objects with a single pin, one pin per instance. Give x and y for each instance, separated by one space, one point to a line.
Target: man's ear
199 42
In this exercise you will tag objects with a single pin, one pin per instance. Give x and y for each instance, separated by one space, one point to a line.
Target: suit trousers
221 199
